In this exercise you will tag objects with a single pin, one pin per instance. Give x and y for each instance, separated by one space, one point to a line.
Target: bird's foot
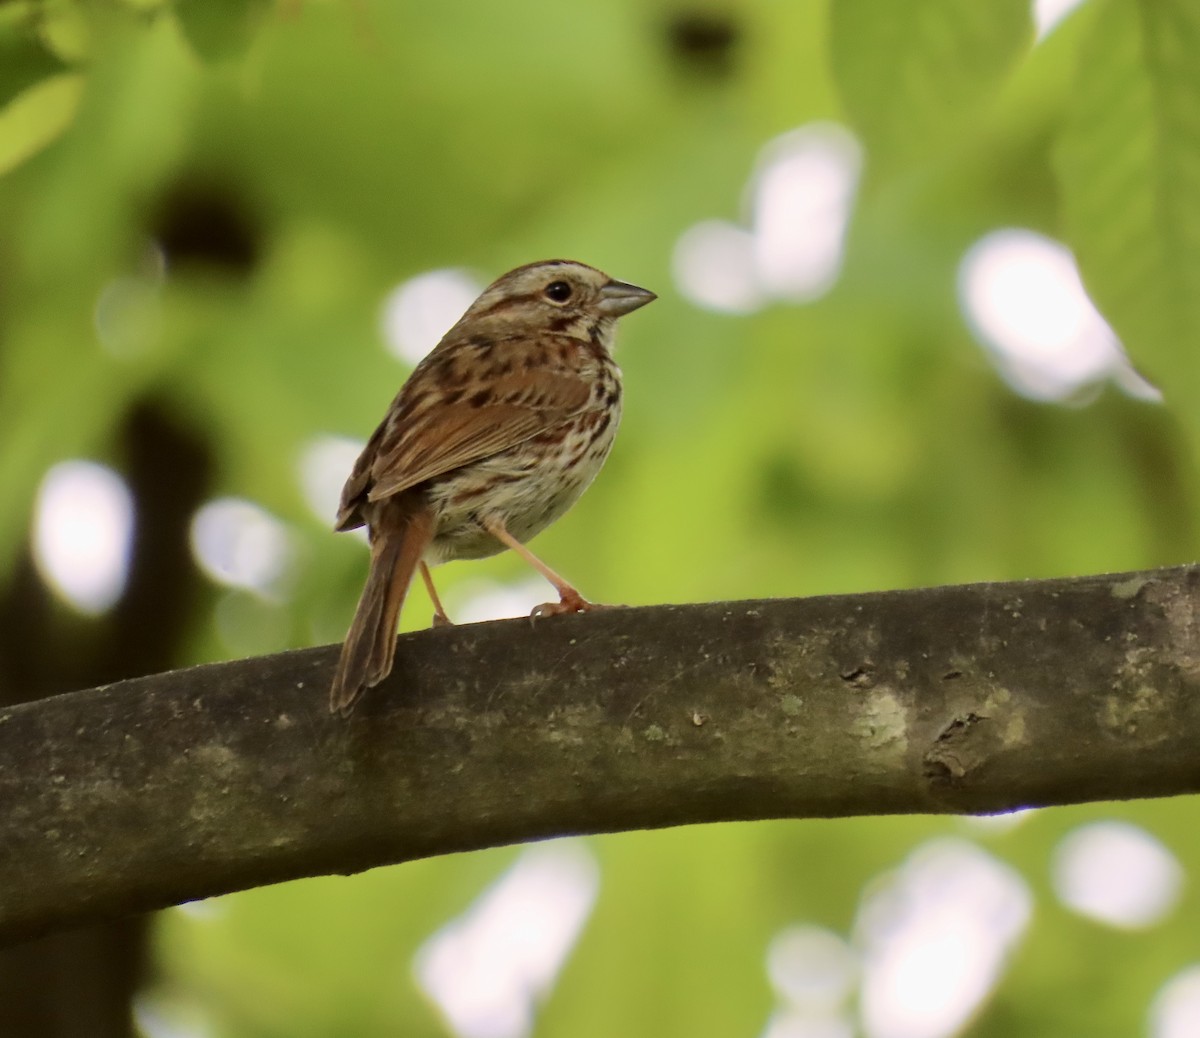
570 601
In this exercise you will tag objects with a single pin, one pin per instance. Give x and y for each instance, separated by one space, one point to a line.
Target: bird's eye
558 291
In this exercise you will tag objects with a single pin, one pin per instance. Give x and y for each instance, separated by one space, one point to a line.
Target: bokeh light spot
82 534
1175 1012
1001 822
240 544
487 970
418 312
480 600
814 972
1048 13
1024 300
205 910
159 1015
812 967
1117 873
713 265
792 1023
935 935
127 317
325 464
802 195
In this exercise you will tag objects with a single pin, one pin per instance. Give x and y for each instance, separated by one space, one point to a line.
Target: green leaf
911 74
24 58
37 117
220 29
1129 165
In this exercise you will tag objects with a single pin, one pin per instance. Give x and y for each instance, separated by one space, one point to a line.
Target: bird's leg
440 619
569 600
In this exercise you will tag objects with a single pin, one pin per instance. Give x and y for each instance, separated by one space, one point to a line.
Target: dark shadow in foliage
704 42
200 222
80 983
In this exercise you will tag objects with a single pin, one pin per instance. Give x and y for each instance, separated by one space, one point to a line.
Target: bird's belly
527 487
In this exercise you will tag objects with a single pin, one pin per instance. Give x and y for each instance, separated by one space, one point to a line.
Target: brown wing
466 402
447 436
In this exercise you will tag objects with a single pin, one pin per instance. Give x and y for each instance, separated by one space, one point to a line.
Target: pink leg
440 619
569 600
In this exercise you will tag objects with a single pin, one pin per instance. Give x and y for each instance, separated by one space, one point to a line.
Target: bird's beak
618 298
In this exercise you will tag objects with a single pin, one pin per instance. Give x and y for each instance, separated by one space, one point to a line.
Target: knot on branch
959 748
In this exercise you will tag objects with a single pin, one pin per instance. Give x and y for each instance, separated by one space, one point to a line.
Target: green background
860 441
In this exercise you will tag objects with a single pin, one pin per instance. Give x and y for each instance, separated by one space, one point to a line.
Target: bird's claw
575 603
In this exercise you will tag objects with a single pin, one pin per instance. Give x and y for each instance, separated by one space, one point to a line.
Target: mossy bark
957 699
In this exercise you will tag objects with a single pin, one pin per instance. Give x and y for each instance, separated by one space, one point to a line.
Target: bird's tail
397 543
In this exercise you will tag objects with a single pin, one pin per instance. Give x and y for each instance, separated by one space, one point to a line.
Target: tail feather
397 544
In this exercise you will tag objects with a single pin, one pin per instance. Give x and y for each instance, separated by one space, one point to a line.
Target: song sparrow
494 436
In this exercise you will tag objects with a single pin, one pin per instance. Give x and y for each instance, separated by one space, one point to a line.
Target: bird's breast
529 485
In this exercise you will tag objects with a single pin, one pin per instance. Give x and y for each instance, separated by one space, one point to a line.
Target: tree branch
959 699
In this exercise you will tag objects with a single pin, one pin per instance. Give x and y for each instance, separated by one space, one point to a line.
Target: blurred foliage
290 163
1129 160
913 75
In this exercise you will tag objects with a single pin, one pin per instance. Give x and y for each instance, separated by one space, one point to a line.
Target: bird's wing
464 406
447 436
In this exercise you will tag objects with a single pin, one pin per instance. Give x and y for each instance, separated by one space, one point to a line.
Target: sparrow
494 436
